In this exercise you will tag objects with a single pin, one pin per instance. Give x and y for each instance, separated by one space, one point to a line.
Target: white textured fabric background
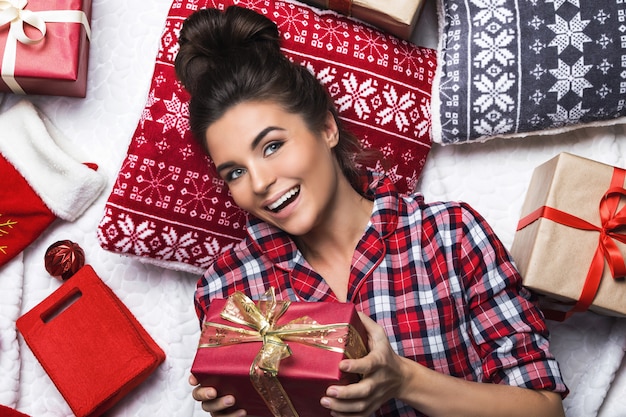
492 177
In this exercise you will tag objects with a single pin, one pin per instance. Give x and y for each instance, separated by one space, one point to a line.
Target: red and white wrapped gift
397 17
276 357
570 242
44 46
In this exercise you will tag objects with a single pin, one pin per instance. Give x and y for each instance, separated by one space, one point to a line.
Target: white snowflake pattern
564 117
536 22
396 108
604 41
423 124
492 9
134 237
186 152
326 75
212 248
604 91
535 120
356 95
193 201
292 22
538 71
409 60
146 113
494 93
372 47
494 48
601 17
605 66
177 115
569 33
154 183
537 46
176 248
570 78
537 97
503 125
329 32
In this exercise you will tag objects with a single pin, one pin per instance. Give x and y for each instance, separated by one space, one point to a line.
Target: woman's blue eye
271 148
234 174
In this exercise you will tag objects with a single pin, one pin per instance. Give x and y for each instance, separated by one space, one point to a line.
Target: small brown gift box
44 47
229 357
570 242
397 17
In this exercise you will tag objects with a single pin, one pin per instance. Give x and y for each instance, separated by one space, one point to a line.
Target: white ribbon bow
13 12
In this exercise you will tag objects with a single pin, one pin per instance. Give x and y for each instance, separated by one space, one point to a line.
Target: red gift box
89 343
233 358
44 47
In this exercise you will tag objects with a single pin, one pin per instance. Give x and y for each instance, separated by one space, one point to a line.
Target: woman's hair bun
211 40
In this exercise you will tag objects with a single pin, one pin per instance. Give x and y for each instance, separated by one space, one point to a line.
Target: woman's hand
212 403
387 375
382 371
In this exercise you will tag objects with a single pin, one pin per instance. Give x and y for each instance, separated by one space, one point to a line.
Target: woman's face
275 167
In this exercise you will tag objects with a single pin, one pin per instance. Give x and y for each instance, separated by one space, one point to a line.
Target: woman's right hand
217 406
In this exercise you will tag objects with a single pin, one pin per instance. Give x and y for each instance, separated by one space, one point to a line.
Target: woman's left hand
382 373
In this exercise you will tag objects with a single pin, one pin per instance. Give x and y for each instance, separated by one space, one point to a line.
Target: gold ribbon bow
261 321
14 12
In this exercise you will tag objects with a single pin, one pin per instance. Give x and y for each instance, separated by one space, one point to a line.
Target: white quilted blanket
492 177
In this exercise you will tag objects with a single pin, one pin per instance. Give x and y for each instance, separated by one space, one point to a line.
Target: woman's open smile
284 200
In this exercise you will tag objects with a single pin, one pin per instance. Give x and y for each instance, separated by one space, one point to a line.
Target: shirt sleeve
508 329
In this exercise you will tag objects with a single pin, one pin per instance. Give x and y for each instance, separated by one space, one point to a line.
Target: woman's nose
262 177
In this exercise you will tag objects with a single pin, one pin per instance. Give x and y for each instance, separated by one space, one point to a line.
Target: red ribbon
342 6
611 220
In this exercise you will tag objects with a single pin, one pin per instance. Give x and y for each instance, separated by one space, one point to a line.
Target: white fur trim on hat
29 142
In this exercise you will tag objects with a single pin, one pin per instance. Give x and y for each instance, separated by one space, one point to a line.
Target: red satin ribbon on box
342 6
611 220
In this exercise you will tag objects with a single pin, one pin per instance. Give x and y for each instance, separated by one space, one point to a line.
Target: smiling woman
451 330
277 169
261 73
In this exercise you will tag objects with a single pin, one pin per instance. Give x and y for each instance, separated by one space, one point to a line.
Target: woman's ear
331 130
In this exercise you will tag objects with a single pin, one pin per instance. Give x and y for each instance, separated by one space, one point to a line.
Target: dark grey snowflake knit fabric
513 67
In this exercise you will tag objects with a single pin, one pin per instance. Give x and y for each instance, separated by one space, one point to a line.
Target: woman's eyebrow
257 139
262 134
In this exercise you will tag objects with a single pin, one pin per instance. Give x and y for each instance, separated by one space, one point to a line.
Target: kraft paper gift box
569 244
397 17
44 47
91 346
227 353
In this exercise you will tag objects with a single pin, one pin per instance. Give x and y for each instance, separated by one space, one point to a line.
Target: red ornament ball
63 259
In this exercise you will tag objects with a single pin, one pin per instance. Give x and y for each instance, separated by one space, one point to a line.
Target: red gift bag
89 343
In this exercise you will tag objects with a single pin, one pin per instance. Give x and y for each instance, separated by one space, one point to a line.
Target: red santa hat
40 179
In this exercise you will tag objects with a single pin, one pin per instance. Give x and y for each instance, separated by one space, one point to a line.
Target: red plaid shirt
433 275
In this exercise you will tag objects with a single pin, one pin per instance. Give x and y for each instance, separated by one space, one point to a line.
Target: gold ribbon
261 321
13 12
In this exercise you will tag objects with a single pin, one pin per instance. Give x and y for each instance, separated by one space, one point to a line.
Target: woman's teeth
278 204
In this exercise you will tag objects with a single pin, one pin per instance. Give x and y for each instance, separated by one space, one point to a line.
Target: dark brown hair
234 56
